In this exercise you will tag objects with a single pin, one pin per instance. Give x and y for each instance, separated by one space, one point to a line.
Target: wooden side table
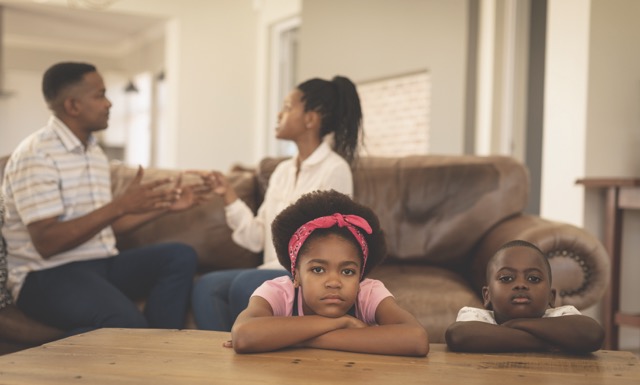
621 194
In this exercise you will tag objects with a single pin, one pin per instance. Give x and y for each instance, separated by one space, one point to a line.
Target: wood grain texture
151 356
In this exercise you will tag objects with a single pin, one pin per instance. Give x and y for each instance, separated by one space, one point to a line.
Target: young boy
519 313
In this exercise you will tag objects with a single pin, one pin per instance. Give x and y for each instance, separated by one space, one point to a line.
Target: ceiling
33 22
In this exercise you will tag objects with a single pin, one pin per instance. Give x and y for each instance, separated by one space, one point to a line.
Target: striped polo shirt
50 174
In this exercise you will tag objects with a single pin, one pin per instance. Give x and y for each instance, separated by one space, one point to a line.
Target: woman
313 110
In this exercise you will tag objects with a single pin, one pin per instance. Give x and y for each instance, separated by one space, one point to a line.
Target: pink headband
349 221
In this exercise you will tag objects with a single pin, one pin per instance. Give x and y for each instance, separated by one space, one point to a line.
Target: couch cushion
433 295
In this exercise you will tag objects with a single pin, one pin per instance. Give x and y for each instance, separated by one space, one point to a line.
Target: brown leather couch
444 216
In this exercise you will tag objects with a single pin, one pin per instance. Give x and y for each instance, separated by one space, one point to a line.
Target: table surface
153 356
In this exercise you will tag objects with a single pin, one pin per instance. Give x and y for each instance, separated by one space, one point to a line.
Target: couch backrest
435 208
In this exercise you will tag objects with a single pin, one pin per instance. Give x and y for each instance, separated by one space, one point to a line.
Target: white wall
210 72
613 129
613 115
591 122
210 69
270 12
373 39
23 112
565 110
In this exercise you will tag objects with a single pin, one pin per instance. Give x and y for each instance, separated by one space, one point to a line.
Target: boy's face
329 276
519 285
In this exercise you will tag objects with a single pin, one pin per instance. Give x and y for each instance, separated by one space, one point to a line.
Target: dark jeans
219 297
86 295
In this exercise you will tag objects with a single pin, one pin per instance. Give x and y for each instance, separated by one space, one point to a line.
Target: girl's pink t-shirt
279 292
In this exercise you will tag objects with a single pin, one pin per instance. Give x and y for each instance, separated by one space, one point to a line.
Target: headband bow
351 222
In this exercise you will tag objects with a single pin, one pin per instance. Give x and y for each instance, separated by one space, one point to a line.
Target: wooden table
153 356
621 194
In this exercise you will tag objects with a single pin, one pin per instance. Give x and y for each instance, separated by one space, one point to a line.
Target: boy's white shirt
469 313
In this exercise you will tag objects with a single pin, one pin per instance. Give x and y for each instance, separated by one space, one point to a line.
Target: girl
314 109
329 244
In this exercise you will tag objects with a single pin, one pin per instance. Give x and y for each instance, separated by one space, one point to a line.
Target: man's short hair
62 75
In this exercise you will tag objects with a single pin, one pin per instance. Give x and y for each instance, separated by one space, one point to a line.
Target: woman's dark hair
62 75
338 104
323 203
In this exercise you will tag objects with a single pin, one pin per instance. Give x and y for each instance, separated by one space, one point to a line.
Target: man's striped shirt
50 174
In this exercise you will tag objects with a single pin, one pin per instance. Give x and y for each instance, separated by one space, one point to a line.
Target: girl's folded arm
397 333
257 330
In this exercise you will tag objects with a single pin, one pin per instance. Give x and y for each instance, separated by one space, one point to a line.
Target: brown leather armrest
580 264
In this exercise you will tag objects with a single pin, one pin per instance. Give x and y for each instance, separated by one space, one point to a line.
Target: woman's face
291 119
329 274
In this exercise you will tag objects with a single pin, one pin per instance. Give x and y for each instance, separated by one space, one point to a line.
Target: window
284 51
396 115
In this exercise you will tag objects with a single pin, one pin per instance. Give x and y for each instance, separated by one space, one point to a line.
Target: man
60 221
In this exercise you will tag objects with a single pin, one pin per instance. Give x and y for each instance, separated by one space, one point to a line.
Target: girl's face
292 117
329 274
519 285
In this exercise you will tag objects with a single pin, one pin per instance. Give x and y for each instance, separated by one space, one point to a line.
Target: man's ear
552 298
486 298
70 106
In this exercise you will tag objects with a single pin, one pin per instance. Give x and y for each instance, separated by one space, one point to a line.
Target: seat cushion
432 294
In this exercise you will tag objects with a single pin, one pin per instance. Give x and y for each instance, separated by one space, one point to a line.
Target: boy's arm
257 330
573 333
477 336
398 333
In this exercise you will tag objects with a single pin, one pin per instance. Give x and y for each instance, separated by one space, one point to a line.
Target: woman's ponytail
348 118
338 103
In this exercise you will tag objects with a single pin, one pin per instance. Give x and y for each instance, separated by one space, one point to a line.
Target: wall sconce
131 87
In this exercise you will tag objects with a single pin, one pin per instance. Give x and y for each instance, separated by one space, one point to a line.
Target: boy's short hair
323 203
61 75
522 243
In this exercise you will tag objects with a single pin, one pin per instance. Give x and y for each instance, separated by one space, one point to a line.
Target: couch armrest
579 263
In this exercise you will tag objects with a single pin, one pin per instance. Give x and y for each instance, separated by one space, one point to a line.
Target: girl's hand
353 322
228 344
